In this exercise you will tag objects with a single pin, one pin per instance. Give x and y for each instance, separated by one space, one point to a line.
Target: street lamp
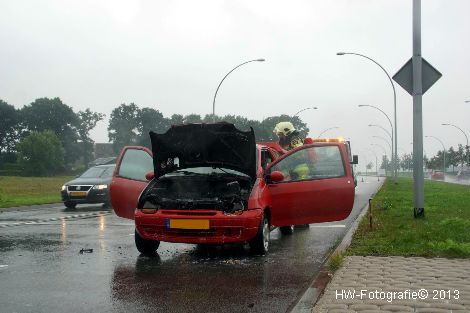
443 147
376 166
384 129
466 137
215 95
304 109
324 131
382 147
391 126
394 99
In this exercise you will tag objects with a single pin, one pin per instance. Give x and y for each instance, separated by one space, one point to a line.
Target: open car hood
204 145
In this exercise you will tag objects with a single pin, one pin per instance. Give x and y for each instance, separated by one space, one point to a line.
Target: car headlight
100 187
63 188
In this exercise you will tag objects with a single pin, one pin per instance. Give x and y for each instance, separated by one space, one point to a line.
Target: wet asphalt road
41 269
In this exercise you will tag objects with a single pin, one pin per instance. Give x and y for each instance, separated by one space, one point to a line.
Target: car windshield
96 172
206 171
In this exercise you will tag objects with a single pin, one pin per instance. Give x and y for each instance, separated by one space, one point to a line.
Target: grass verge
444 232
18 191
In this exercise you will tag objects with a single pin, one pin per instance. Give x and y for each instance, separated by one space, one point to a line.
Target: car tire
287 230
146 247
70 204
260 243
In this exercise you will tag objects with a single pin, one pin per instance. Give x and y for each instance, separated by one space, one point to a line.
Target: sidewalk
368 284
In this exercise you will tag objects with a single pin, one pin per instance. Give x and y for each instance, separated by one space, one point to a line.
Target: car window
135 164
108 172
312 163
93 172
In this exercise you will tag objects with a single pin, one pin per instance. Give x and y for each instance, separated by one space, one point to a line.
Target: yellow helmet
285 128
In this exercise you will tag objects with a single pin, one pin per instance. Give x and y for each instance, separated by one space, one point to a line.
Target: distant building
103 150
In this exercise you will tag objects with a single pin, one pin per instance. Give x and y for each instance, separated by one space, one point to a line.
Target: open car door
316 186
129 179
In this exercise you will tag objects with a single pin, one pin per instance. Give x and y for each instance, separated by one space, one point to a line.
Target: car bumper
92 196
223 228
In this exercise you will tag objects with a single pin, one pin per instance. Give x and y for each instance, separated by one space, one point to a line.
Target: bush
41 154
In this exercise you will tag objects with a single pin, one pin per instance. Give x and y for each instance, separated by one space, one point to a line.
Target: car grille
79 188
222 231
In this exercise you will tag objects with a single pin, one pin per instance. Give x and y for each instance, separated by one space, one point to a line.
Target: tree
87 121
9 128
53 114
369 165
453 158
41 153
123 128
150 120
407 162
385 163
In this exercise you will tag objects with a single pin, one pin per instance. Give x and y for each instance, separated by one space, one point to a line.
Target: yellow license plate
189 224
78 193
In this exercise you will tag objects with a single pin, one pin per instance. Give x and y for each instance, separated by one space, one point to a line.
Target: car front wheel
260 244
70 204
287 230
146 247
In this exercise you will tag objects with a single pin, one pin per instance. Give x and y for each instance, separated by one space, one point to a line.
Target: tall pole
418 173
394 105
215 95
391 126
443 147
385 153
376 168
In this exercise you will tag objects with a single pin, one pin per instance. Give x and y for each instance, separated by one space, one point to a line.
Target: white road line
328 226
42 222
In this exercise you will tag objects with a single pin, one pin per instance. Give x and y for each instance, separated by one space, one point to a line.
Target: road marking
69 217
328 226
2 266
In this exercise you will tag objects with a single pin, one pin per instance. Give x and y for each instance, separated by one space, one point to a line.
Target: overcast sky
171 55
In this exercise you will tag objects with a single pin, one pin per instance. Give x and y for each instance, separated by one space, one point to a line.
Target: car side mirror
355 159
150 175
276 176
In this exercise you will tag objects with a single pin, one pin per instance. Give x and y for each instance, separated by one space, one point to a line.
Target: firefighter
289 137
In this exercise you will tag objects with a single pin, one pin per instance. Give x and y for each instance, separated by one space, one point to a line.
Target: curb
315 290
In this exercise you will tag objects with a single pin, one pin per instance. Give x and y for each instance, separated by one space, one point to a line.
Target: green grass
335 262
444 232
18 191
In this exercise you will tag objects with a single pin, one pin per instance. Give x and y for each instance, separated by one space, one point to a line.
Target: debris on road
86 251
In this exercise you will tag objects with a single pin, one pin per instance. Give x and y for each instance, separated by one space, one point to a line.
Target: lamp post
324 131
304 109
384 129
376 168
443 147
382 147
215 95
394 98
391 127
466 137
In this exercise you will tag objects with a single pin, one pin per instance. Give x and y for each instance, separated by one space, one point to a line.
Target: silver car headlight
100 187
63 188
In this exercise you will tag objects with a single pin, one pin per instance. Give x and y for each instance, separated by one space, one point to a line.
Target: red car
212 184
437 175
